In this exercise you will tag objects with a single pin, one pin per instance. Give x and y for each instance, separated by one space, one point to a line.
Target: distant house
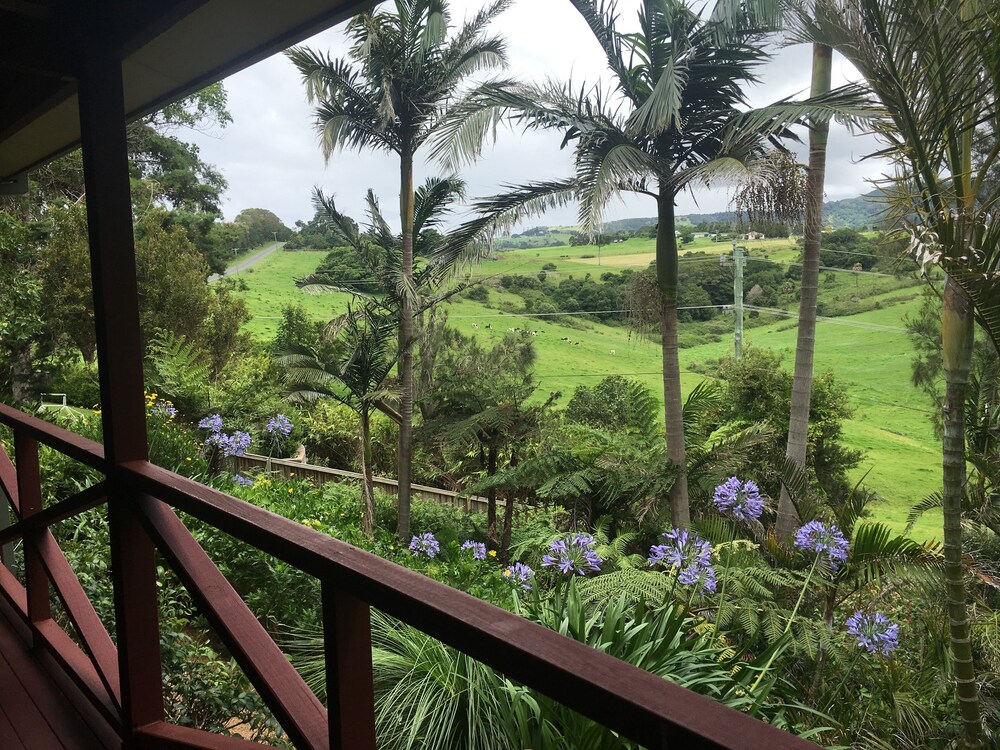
753 236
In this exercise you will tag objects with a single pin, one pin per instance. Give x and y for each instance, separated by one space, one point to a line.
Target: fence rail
322 474
638 705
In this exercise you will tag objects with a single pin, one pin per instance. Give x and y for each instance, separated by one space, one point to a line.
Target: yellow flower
188 458
291 473
492 553
290 490
506 572
391 548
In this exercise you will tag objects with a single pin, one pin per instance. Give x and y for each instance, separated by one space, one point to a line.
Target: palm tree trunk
673 415
404 454
805 345
367 492
956 350
956 345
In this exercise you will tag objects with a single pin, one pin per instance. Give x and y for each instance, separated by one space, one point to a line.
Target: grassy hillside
868 351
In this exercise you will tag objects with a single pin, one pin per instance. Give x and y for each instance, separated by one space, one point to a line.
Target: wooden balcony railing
628 700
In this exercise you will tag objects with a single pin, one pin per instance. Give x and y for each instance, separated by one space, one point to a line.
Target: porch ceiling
169 49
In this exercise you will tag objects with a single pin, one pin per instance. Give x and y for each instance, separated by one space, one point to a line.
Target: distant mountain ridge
855 213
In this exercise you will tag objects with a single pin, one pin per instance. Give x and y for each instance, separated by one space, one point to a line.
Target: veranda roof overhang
168 49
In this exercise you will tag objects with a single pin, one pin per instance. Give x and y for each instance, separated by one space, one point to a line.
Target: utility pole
738 297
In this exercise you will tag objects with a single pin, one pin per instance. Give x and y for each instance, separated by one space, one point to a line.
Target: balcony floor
35 712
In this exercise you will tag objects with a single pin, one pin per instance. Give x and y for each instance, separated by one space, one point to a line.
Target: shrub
478 293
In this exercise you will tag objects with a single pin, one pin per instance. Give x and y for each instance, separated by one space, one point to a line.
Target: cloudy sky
271 157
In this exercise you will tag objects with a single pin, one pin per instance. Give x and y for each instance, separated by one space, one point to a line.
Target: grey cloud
270 154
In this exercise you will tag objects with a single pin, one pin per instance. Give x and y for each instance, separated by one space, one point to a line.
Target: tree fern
631 584
178 370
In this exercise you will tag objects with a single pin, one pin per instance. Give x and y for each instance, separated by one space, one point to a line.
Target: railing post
6 550
120 352
29 490
350 698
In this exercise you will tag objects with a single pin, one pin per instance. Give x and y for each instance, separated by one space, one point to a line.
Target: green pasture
869 351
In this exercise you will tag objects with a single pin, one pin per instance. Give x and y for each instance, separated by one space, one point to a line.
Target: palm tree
676 116
934 68
401 76
354 369
805 341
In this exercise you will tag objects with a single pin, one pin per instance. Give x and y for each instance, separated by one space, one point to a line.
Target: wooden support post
350 700
119 351
29 489
6 550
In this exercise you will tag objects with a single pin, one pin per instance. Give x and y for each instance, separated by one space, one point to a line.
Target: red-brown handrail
636 704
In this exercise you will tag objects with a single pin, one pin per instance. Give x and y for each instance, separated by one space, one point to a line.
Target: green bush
478 293
78 381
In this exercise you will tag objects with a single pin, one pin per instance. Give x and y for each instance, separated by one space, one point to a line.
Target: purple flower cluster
521 574
230 445
425 544
823 540
213 423
875 632
741 500
478 549
574 554
689 554
164 409
279 424
242 481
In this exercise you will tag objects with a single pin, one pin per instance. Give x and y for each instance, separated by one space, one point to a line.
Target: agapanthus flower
739 499
425 544
280 424
520 573
213 422
575 554
689 554
701 576
478 549
232 445
164 409
875 632
820 539
243 481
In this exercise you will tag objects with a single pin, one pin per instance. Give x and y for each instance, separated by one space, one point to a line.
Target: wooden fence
321 474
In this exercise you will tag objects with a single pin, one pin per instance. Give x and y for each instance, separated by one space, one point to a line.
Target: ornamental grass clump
573 555
689 555
874 632
425 544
